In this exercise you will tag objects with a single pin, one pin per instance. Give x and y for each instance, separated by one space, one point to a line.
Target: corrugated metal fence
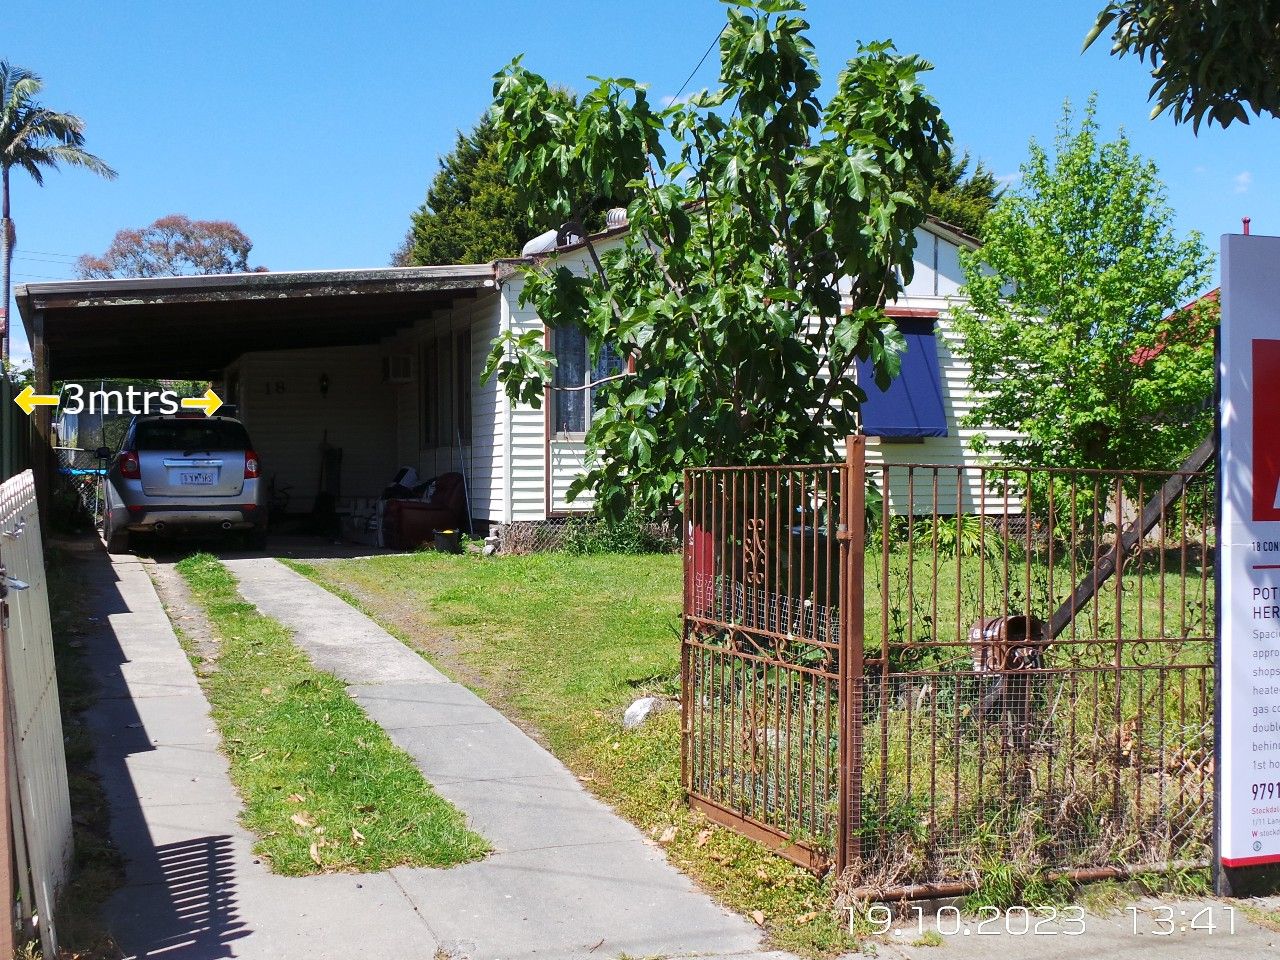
34 768
15 432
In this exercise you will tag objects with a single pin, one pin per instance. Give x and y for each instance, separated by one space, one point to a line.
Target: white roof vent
542 243
615 218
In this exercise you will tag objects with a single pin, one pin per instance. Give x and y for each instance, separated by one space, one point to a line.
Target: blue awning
912 406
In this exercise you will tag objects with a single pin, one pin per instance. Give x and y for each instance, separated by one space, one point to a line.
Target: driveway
567 878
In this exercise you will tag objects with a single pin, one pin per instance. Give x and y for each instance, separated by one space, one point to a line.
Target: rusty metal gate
913 670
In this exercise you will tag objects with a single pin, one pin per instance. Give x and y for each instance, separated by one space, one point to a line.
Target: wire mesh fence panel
588 534
1038 690
82 476
1027 670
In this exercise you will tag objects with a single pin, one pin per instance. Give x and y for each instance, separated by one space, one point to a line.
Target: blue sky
316 125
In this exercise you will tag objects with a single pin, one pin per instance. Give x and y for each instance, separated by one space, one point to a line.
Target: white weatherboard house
385 365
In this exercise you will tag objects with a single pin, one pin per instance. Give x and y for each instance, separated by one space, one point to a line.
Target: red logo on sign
1266 429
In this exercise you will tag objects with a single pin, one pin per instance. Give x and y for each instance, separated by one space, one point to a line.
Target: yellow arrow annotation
209 403
28 400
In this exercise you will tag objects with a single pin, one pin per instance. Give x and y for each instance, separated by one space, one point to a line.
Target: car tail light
250 465
129 466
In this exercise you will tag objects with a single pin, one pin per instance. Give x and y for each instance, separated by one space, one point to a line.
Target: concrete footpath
194 889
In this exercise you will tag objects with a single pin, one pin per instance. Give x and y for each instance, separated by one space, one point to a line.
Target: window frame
437 391
558 394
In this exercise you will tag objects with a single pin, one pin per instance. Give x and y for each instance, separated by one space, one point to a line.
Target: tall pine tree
472 213
961 198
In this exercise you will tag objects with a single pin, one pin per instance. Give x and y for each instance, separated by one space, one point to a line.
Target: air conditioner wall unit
397 368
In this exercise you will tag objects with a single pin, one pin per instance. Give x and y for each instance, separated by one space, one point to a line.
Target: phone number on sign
1268 790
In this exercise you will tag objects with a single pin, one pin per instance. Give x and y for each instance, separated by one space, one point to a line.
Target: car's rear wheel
118 541
257 538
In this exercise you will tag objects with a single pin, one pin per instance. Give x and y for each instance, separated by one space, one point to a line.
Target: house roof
1144 355
195 326
932 224
950 232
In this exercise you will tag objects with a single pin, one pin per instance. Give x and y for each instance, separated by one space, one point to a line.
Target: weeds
632 534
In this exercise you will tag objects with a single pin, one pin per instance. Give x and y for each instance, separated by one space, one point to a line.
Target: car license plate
195 477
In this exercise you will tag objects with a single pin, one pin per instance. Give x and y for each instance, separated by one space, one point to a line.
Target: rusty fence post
852 634
686 678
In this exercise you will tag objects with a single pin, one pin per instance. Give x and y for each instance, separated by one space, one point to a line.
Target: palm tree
32 138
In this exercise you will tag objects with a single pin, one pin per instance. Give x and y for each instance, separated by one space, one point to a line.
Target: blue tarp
912 406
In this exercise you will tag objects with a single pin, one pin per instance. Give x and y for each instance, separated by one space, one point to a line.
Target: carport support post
42 451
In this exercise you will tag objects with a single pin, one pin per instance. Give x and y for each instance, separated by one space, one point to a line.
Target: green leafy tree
1209 58
751 200
33 138
1072 324
961 197
172 246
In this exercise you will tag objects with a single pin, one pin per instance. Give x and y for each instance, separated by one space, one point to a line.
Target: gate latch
8 583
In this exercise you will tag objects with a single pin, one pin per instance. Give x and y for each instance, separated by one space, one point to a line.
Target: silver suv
184 474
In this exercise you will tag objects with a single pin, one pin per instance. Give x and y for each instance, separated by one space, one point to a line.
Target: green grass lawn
323 786
563 644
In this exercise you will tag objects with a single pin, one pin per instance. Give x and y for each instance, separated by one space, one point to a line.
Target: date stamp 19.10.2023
1150 920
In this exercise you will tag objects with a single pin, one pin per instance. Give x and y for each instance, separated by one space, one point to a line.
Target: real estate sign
1249 553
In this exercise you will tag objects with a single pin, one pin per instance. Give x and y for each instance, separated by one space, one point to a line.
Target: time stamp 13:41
1159 921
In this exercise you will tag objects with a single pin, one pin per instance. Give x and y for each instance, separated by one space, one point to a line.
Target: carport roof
193 327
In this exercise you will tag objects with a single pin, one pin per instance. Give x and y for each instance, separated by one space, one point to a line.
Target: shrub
633 533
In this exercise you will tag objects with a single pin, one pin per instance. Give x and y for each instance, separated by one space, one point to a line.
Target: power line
61 263
47 253
692 73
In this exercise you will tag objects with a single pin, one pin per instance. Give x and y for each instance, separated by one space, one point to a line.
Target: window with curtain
569 407
609 363
571 410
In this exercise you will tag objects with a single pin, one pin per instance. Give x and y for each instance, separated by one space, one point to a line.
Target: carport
199 327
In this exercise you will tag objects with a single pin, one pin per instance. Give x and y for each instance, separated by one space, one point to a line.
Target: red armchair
408 523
